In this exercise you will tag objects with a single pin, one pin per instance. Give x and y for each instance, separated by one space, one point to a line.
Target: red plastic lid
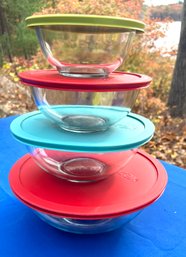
139 184
86 217
117 81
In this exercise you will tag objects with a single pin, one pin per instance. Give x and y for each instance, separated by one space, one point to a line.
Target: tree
177 95
15 39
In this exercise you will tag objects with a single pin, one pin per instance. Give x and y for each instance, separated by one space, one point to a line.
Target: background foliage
15 40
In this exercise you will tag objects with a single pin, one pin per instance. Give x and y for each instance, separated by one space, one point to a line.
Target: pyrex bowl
84 112
84 45
89 208
82 226
81 166
88 105
82 157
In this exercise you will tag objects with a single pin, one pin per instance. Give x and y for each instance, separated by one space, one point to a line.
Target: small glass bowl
82 226
81 166
84 112
84 45
84 55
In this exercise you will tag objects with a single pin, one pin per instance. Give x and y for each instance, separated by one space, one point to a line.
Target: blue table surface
160 230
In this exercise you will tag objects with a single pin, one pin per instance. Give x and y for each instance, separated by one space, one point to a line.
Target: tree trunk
177 95
4 31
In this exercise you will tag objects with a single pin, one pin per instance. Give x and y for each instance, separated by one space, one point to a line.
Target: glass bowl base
82 226
83 123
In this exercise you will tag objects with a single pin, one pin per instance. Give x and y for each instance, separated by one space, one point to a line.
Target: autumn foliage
126 8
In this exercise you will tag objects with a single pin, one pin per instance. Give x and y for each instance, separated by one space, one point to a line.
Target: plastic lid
140 183
35 129
117 81
85 23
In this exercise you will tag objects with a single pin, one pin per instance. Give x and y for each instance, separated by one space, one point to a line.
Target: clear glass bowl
84 45
84 112
79 226
84 54
81 166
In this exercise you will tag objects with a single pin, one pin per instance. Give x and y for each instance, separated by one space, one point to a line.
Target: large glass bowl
84 112
89 208
84 45
81 166
82 226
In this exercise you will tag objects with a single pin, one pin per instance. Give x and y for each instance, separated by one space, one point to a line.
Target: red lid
86 217
139 184
117 81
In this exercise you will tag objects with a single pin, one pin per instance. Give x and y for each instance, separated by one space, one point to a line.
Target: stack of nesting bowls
84 172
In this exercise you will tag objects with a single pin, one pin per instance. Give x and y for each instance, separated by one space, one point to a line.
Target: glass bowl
80 166
84 105
82 226
84 45
82 157
84 112
89 208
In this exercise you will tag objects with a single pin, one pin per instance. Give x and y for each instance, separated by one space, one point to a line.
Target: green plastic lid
85 23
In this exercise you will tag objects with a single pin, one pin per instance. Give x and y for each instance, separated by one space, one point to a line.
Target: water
172 36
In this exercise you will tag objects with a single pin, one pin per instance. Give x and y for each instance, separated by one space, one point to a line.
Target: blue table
160 230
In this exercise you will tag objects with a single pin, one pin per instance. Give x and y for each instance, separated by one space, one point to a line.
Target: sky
160 2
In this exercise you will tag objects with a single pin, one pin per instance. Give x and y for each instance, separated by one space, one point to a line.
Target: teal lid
85 23
35 129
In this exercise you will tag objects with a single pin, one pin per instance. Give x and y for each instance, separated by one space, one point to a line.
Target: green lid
85 23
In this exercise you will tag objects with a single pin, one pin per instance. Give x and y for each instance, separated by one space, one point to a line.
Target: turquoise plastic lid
35 129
